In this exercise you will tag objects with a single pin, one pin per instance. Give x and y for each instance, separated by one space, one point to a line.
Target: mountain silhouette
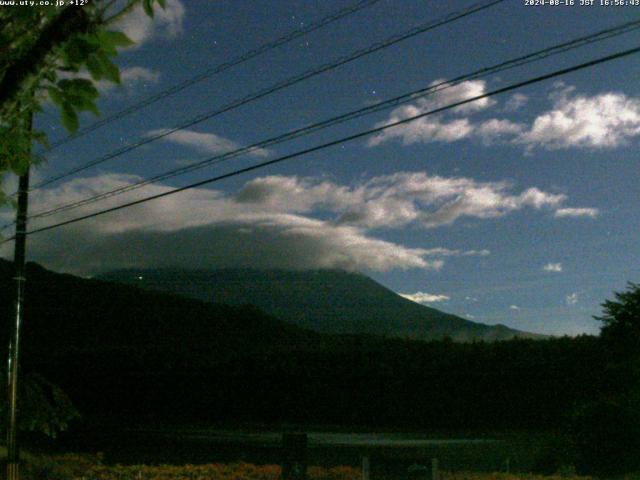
326 301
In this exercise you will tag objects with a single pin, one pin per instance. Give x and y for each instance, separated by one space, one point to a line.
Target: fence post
366 467
435 474
294 456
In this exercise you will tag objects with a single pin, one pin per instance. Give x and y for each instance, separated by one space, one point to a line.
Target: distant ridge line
328 301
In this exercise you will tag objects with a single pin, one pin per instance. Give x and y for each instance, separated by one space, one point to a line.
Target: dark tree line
140 356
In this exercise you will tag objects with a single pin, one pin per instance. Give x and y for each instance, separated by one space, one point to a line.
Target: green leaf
162 3
71 55
76 52
86 45
78 87
115 39
22 158
40 137
79 93
110 70
148 7
85 104
56 95
91 107
50 74
95 68
70 118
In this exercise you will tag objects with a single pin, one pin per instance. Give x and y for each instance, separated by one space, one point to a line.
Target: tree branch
116 16
71 21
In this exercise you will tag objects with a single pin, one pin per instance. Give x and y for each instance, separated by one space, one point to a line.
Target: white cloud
131 78
130 75
487 201
605 120
140 28
446 252
393 201
434 128
297 194
571 299
275 221
514 307
516 102
600 121
552 267
577 212
423 297
205 142
494 130
206 228
290 242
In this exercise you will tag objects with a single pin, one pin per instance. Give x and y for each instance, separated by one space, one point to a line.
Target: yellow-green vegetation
507 476
91 467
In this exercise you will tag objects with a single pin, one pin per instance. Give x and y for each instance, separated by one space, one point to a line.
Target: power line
289 37
432 89
516 62
277 87
349 138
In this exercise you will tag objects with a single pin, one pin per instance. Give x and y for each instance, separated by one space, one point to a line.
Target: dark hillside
149 357
327 301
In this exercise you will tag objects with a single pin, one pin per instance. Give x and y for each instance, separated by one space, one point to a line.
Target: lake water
318 439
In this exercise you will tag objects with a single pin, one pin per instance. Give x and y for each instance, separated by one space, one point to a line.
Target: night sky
520 209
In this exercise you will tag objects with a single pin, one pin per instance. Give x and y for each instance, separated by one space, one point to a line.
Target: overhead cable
452 17
362 134
370 109
210 72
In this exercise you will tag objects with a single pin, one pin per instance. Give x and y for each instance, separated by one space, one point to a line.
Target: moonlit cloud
140 28
571 299
577 212
516 102
601 121
297 194
273 221
495 130
605 120
290 243
423 297
394 201
131 79
487 201
436 128
552 267
205 142
203 228
138 74
446 252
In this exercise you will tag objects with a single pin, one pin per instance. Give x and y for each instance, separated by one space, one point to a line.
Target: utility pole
13 453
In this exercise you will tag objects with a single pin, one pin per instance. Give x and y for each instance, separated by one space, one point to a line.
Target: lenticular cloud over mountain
275 221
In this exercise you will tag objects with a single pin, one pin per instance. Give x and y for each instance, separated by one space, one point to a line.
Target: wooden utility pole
13 453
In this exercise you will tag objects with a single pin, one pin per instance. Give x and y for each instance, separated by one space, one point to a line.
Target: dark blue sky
520 210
